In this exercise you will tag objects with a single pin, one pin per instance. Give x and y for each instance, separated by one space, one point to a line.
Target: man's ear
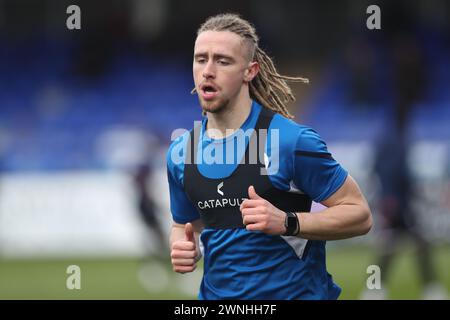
251 71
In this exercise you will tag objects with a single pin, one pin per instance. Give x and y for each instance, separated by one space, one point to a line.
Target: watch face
290 221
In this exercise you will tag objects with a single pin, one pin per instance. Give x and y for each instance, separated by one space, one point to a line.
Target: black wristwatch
292 224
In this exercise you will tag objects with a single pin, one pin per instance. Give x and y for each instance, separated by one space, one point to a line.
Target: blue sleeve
316 173
182 209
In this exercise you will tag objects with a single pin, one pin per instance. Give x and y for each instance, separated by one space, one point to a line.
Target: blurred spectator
156 256
146 205
397 214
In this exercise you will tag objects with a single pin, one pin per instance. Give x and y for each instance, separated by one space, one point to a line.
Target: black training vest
218 200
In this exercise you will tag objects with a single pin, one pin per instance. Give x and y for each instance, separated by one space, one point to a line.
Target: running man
251 220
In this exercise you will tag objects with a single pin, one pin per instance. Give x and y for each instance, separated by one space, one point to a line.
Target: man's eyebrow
200 54
223 56
215 56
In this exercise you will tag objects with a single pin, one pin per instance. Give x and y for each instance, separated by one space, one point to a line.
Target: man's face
220 61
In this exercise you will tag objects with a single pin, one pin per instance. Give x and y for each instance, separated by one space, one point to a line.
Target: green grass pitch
118 278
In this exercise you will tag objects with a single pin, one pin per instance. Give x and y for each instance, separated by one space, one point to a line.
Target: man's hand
259 214
184 252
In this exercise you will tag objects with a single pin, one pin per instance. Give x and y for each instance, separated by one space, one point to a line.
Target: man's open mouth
209 89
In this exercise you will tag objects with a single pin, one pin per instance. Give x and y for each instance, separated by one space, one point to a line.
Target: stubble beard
216 106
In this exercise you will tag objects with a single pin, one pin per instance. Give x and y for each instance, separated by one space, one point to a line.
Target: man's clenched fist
184 252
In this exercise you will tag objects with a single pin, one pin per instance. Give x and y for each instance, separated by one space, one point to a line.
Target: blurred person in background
255 230
147 207
398 216
154 262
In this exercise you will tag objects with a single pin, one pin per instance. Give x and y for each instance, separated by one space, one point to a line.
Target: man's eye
201 60
224 62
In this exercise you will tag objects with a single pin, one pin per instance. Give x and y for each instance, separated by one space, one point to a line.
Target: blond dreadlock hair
268 88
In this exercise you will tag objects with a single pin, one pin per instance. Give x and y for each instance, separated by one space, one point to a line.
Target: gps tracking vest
218 200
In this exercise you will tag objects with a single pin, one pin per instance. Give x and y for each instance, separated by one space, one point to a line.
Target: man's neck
228 121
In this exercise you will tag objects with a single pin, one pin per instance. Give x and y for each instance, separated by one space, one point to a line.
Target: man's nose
208 71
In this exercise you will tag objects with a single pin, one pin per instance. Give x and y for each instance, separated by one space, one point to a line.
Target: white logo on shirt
219 186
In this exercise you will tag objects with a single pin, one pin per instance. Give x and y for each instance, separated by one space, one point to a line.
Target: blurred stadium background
80 110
